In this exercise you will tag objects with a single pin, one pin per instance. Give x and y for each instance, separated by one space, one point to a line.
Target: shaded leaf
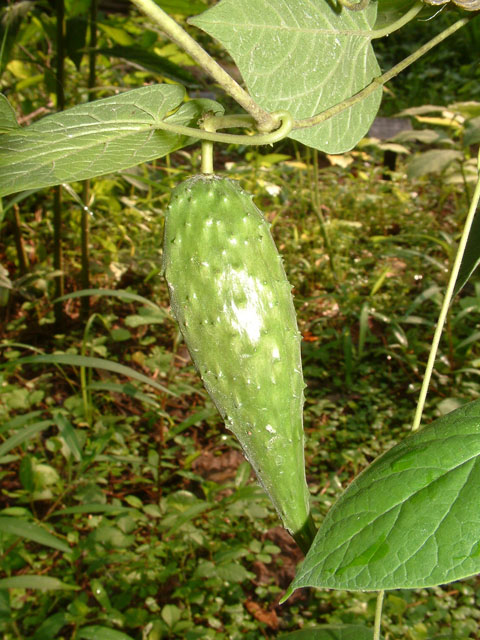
472 132
410 520
23 529
51 626
150 61
471 257
433 161
75 40
389 11
303 57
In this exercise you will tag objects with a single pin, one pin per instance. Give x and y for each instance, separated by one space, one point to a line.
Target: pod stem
305 536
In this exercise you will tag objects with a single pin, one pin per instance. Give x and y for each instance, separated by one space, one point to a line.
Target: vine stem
383 79
177 34
446 302
285 119
398 24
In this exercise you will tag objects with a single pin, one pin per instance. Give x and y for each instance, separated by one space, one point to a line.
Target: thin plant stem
446 302
57 193
318 212
178 35
85 221
258 139
383 79
378 615
398 24
17 234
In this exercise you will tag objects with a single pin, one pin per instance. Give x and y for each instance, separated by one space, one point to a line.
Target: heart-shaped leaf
409 520
303 57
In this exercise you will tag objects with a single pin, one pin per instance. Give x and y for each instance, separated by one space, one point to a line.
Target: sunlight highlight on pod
249 317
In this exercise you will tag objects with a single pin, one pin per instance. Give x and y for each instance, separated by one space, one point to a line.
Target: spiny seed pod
233 303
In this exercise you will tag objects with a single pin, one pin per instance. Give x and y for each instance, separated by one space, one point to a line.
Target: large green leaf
331 632
24 529
305 57
409 520
96 138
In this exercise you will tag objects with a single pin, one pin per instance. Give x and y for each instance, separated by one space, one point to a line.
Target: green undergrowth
168 535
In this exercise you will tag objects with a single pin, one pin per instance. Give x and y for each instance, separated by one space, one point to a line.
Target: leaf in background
8 119
86 361
19 421
50 627
92 508
182 7
96 632
331 632
114 293
410 520
389 11
69 435
150 61
44 583
24 529
303 57
433 161
471 257
95 138
23 435
472 132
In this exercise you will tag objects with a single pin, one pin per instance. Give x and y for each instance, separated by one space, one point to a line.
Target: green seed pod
233 303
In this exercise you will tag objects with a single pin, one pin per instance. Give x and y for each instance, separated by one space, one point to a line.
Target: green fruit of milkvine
233 303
